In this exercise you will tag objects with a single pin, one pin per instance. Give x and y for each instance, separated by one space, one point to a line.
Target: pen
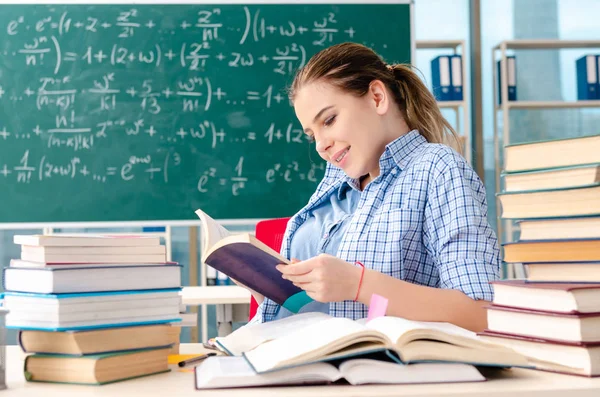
195 359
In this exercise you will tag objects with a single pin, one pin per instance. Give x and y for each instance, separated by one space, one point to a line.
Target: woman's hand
325 278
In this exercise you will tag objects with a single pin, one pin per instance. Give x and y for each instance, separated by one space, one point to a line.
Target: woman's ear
379 96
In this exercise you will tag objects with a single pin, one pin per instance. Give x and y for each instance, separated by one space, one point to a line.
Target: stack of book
92 309
553 316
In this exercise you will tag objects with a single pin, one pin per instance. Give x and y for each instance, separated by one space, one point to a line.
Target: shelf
549 104
451 104
548 44
439 43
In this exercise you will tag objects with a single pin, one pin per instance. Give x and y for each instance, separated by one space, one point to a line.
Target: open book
313 337
246 259
228 372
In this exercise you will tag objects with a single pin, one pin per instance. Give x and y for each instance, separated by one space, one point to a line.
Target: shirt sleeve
266 311
456 230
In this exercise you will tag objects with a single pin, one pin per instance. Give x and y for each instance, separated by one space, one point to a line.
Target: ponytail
352 67
420 109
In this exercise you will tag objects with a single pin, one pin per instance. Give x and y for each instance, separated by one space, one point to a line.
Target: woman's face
348 130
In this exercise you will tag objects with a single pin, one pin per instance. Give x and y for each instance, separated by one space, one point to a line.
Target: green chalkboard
148 112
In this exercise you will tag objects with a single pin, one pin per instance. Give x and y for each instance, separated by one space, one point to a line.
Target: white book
93 258
228 372
86 240
91 279
90 310
92 250
59 265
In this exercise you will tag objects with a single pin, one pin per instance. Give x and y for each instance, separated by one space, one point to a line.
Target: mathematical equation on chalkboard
180 106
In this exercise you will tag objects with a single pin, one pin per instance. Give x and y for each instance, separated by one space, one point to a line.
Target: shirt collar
400 151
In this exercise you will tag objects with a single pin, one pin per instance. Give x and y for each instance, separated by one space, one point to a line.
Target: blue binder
587 78
441 78
511 69
457 77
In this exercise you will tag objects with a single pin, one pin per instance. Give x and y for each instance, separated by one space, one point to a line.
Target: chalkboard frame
191 223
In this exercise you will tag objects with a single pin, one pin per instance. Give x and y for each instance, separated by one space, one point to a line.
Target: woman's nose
323 144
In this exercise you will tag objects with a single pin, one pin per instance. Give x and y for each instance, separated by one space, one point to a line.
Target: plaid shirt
423 220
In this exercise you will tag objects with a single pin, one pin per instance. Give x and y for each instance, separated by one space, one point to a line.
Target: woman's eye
329 120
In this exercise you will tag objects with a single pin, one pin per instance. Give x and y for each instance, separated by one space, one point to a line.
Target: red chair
271 233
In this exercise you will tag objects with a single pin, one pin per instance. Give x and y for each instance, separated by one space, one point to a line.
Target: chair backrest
271 233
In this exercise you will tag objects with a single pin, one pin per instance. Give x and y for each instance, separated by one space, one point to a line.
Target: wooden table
514 382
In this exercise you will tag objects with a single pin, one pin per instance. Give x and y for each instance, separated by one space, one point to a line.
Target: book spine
512 78
511 73
211 275
20 342
587 78
457 78
441 78
222 279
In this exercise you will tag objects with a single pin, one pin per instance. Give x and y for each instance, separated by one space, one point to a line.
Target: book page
247 338
222 372
212 231
310 343
396 327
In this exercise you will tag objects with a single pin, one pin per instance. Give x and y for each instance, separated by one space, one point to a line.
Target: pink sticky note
377 306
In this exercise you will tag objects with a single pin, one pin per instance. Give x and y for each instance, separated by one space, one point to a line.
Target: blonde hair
352 67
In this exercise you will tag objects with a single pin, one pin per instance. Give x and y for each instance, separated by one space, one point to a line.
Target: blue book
457 77
511 71
63 279
70 312
251 262
441 78
587 78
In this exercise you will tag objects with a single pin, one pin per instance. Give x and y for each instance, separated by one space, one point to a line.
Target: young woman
398 213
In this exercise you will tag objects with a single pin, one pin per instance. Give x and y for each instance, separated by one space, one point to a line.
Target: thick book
319 337
230 372
64 312
20 263
554 355
244 258
560 228
91 279
98 341
576 201
576 250
41 250
96 240
96 369
93 258
556 297
573 327
552 178
568 272
552 153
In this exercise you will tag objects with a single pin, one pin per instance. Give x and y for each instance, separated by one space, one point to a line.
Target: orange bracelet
362 273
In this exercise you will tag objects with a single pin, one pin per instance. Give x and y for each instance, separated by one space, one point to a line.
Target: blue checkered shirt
423 220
